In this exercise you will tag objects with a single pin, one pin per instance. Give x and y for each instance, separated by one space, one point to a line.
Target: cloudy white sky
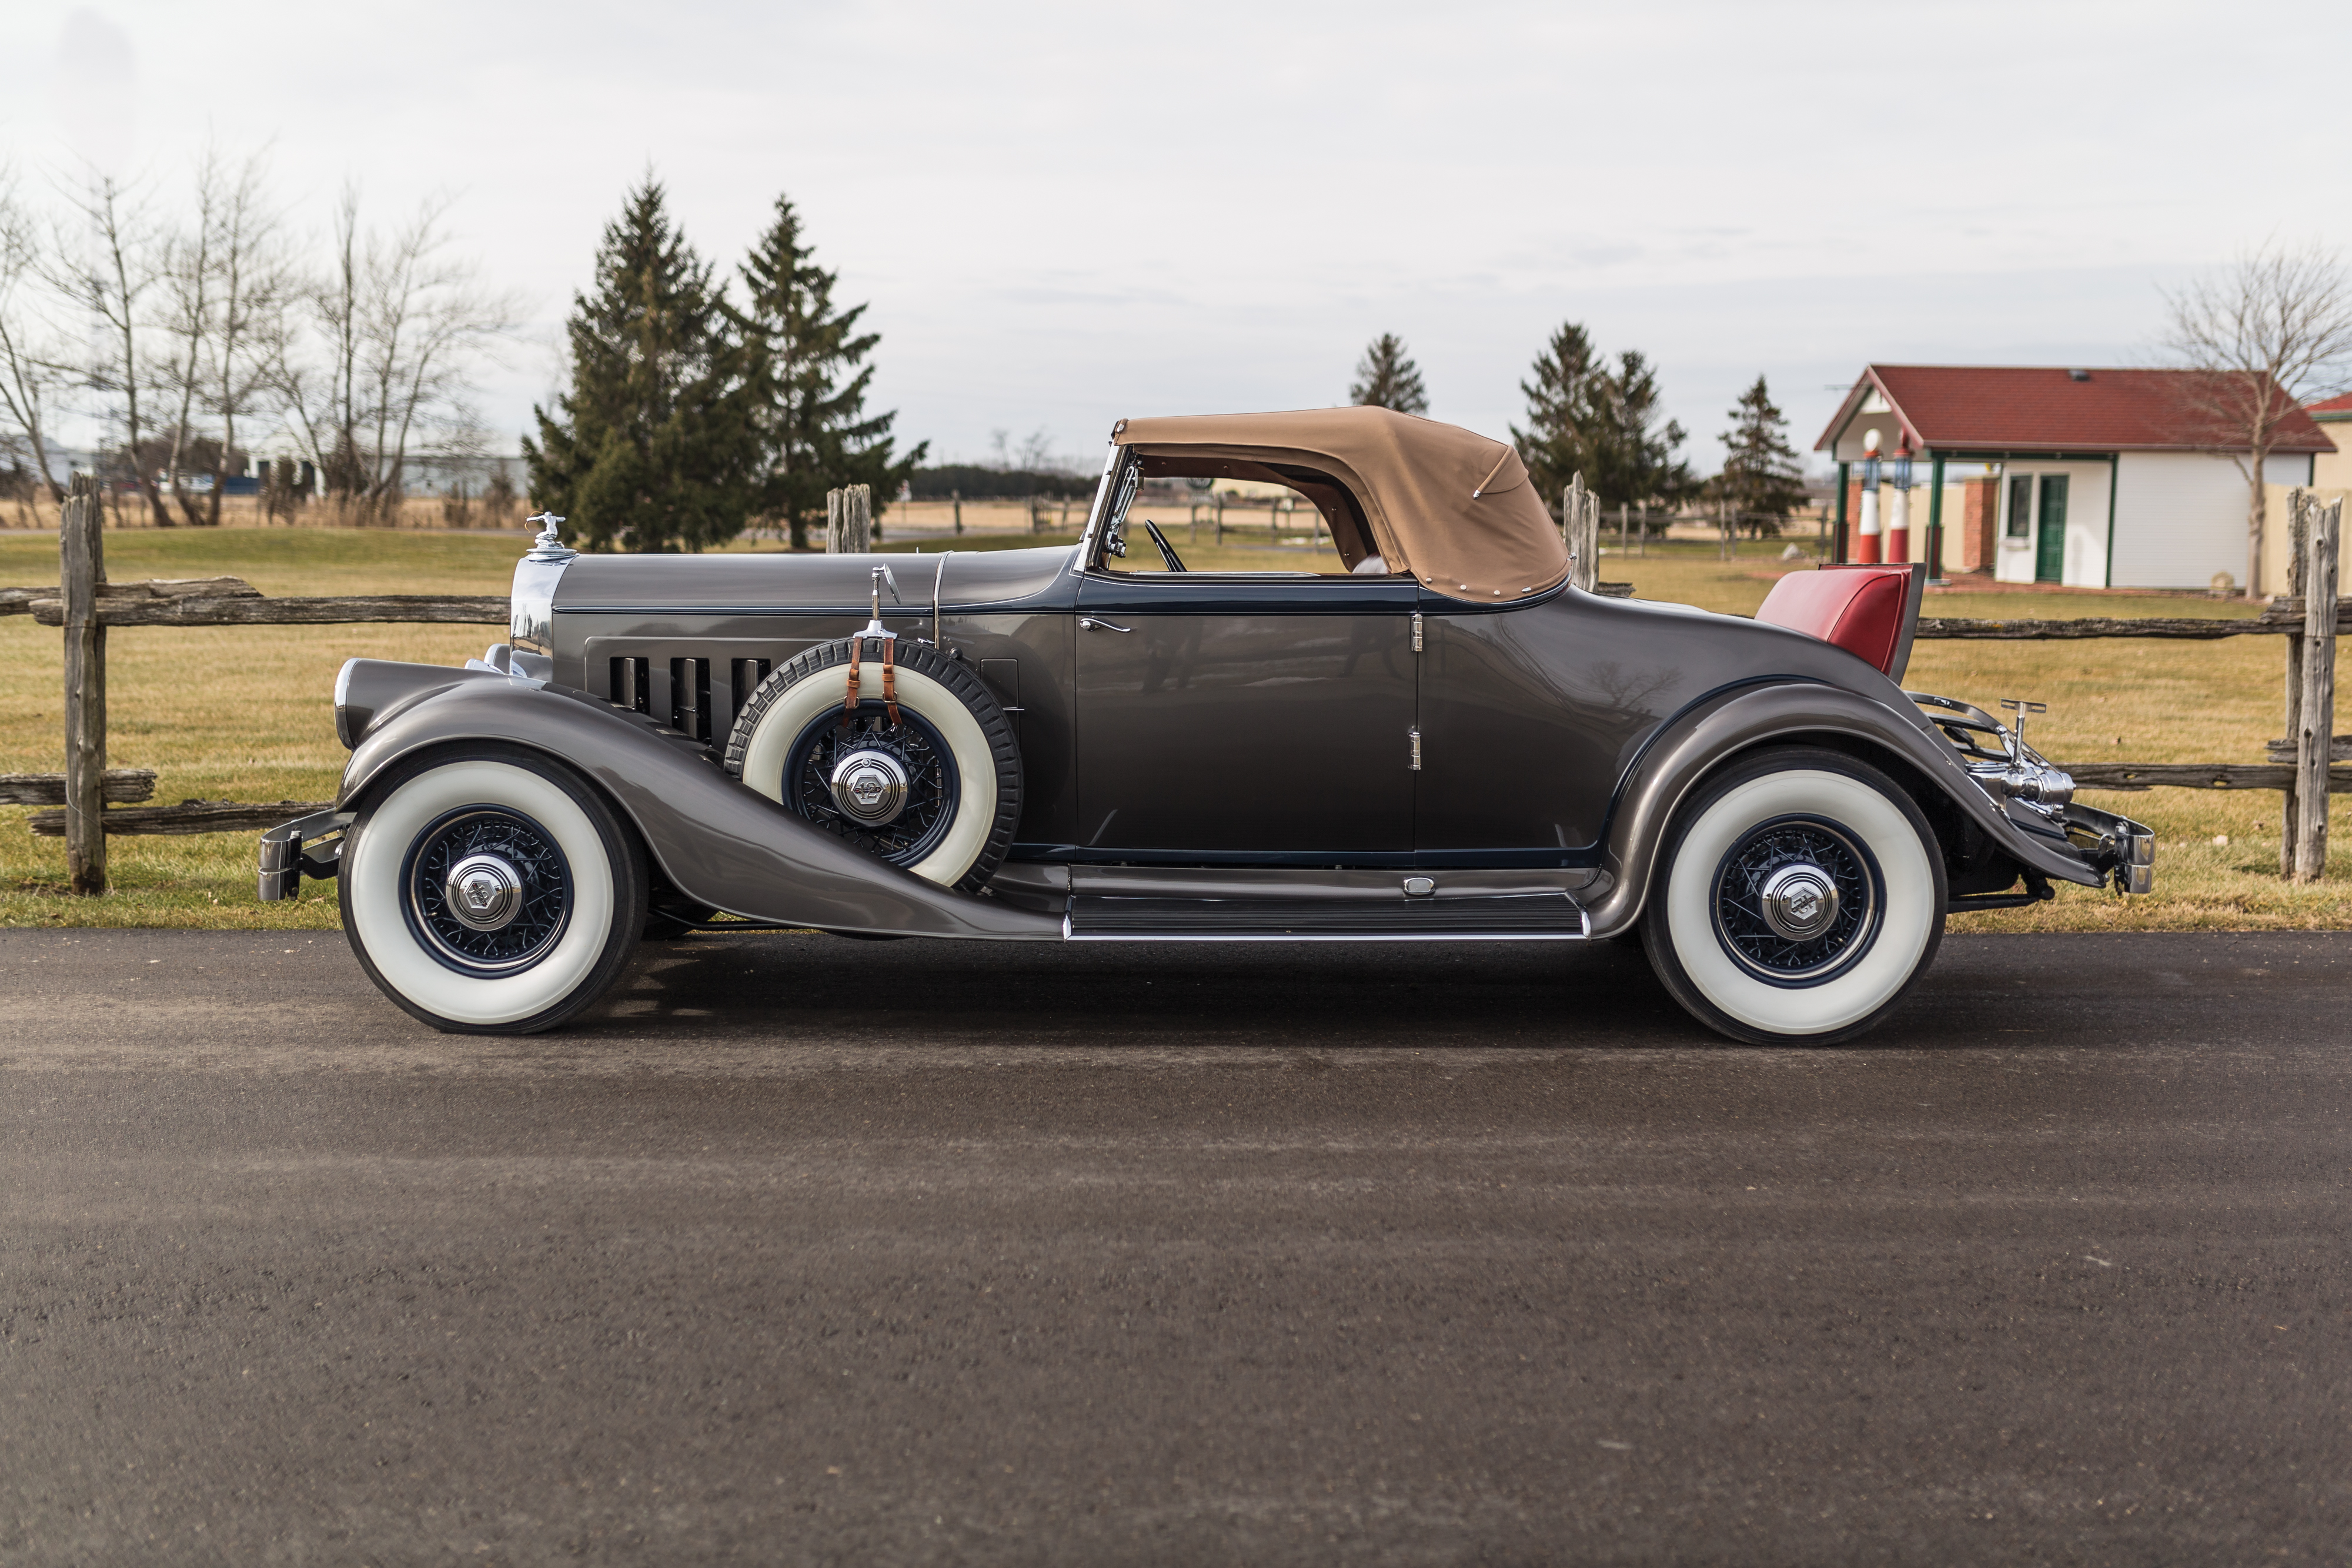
1066 213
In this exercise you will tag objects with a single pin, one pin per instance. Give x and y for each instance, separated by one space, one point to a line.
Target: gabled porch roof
1961 410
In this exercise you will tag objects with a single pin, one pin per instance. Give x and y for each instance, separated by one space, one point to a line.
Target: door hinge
1414 734
1416 631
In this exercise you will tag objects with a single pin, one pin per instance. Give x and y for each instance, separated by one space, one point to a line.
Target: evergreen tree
1564 418
1761 475
654 443
1585 418
809 385
1385 378
1636 461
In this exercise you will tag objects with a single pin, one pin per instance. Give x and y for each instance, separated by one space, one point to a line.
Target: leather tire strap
849 709
890 679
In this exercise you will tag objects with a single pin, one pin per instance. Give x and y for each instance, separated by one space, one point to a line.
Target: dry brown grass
244 714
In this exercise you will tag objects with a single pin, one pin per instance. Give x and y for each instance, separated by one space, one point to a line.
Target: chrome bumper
311 845
2118 846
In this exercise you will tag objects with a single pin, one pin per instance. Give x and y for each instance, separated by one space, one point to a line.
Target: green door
2049 545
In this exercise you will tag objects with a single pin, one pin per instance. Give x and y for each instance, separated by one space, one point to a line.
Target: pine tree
1635 462
654 443
809 386
1385 378
1564 423
1761 475
1585 418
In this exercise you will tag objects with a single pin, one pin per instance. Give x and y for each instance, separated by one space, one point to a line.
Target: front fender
718 842
1715 729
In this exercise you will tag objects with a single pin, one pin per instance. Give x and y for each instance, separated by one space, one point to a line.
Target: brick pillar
1979 510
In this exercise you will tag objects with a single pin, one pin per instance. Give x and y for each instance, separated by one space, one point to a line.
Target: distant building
2333 470
2099 478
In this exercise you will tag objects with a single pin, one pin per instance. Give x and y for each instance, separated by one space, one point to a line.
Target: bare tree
31 365
2270 332
189 323
255 285
120 263
402 326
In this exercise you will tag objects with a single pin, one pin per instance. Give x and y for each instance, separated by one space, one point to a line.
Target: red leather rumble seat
1868 610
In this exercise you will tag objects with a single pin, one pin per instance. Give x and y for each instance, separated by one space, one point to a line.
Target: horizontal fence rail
187 816
123 787
405 609
2195 776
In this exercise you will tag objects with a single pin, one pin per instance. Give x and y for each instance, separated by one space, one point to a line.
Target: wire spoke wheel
1796 900
889 789
488 889
1800 894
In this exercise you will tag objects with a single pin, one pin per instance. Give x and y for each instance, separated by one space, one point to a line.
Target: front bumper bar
311 845
2123 849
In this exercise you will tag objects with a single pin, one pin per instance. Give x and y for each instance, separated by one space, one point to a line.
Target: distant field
244 714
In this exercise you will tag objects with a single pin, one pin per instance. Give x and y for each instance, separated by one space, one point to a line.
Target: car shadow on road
1498 995
2020 993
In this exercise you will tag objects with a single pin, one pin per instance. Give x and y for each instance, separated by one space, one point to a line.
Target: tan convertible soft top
1449 506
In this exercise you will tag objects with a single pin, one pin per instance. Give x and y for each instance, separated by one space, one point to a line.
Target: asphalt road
809 1250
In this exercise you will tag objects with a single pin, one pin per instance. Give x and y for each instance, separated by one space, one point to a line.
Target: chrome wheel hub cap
870 786
1799 901
483 893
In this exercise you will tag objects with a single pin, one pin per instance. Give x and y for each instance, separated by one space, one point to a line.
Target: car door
1529 714
1260 718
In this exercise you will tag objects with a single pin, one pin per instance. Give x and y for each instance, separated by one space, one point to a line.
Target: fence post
857 519
1579 527
1589 544
1571 528
2315 737
956 497
833 522
2298 533
81 562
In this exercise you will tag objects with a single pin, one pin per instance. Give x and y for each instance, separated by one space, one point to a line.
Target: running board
1507 917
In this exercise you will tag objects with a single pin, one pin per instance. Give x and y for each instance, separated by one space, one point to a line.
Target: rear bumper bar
311 845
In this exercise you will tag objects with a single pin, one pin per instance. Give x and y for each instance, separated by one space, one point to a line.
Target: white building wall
2087 524
2180 517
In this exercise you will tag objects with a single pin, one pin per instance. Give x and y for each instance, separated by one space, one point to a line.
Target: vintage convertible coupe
1433 735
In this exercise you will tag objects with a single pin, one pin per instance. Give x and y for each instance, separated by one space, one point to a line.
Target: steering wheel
1167 550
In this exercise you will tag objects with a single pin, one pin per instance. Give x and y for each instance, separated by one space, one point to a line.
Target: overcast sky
1063 215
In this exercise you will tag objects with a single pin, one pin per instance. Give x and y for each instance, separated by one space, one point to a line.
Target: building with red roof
2096 477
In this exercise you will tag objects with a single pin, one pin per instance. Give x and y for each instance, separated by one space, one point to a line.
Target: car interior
1234 517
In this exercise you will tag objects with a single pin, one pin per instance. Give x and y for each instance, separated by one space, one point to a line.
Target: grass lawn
244 713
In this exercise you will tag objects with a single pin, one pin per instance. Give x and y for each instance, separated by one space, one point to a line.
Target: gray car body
1236 734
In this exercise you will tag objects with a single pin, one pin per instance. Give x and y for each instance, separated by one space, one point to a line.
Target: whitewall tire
936 789
1800 897
490 893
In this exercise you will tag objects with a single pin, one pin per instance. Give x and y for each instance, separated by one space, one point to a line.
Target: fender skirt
720 843
1716 728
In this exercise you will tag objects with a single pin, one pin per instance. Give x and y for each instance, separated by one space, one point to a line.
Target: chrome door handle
1091 624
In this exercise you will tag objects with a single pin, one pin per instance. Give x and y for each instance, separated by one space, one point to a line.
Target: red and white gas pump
1865 543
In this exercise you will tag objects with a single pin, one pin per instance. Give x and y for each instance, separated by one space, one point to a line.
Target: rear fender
719 844
1717 728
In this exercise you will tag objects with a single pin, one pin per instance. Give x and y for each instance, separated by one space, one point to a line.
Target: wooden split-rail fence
90 800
